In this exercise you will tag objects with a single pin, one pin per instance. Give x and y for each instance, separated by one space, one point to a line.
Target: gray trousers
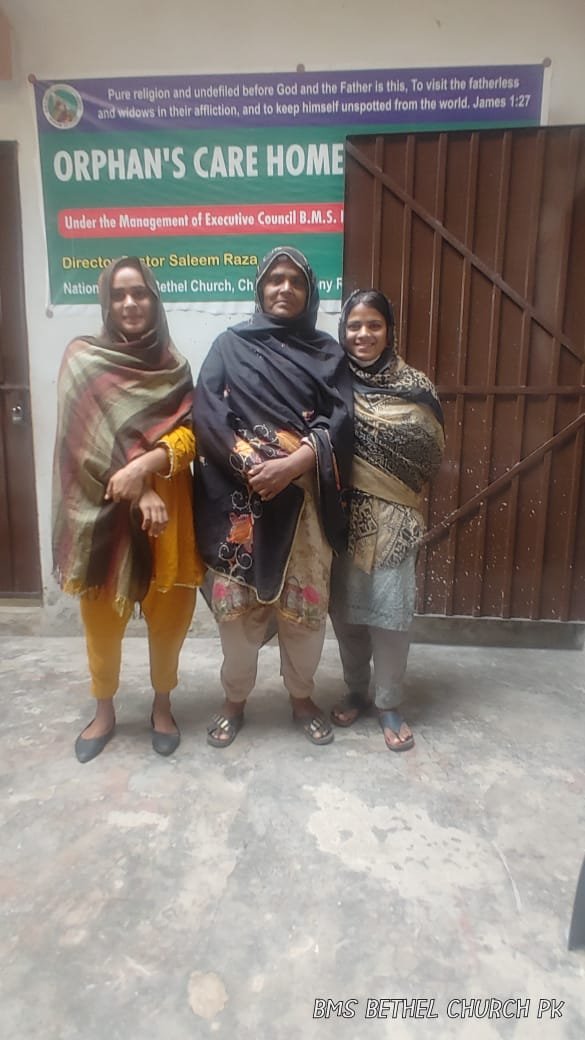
387 648
241 639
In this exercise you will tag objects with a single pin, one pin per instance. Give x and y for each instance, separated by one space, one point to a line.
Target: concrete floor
220 893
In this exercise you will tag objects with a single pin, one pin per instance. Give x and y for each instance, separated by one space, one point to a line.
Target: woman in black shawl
274 433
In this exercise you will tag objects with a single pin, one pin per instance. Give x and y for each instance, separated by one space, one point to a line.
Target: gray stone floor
220 893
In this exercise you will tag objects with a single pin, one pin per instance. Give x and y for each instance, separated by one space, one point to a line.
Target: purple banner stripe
390 97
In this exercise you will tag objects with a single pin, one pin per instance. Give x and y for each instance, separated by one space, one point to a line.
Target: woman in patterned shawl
274 434
398 448
122 494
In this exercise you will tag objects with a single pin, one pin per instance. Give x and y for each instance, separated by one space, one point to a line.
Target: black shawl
264 385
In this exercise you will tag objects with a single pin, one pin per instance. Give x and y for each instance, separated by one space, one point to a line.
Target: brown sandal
311 725
230 726
352 702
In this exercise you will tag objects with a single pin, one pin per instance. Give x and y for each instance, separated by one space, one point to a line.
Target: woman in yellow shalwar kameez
122 495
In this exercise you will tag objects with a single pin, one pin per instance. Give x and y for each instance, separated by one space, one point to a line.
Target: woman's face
284 290
132 305
366 334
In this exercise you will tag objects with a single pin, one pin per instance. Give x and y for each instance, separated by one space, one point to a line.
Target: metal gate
479 240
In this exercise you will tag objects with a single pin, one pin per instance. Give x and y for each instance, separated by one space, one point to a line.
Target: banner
202 175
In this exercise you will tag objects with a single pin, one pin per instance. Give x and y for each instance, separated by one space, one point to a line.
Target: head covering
266 384
369 298
376 299
398 446
109 331
299 330
152 342
389 375
116 399
309 316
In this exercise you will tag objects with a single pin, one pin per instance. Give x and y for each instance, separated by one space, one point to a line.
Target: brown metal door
479 240
19 553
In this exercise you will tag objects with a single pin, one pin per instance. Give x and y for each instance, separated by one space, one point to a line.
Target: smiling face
366 334
284 290
132 305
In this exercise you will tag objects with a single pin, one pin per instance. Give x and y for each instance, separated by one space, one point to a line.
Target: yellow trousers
168 616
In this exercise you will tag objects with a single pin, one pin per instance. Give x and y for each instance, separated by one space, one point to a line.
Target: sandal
393 720
230 726
352 702
311 725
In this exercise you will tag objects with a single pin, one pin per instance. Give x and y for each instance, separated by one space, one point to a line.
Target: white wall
75 38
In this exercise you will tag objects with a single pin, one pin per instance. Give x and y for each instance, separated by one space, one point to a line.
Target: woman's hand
267 479
154 513
128 483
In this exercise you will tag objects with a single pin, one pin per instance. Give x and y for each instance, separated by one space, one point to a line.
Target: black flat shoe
85 750
164 743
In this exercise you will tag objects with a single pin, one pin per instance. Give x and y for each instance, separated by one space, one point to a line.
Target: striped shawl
115 400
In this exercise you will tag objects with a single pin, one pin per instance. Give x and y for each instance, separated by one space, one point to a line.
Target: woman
274 438
122 494
398 448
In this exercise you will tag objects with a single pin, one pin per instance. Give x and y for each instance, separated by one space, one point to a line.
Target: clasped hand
127 483
267 479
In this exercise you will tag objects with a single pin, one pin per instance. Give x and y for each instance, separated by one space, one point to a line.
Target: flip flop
393 720
230 726
351 702
313 724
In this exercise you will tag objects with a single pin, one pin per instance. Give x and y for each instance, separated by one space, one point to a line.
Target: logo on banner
62 106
